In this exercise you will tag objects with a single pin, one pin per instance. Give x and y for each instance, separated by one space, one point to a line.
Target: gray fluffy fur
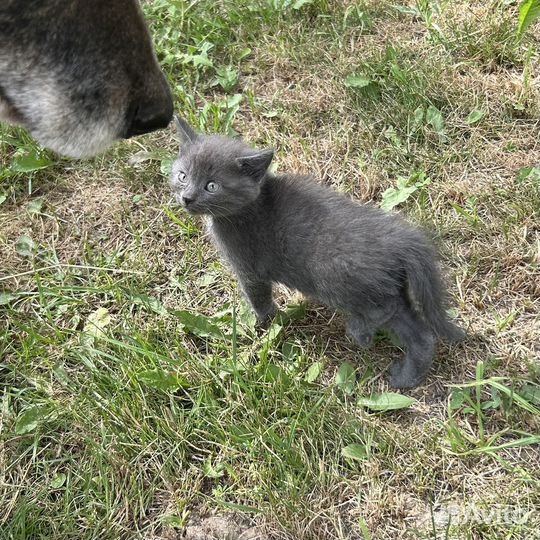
373 266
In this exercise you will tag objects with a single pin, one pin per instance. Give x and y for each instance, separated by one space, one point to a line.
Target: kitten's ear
255 165
186 132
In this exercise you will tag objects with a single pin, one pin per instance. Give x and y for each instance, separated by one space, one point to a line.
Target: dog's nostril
186 201
149 116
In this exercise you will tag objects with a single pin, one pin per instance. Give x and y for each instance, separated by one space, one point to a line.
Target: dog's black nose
150 115
186 201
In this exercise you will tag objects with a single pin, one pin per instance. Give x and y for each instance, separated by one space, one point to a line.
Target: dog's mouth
8 112
146 117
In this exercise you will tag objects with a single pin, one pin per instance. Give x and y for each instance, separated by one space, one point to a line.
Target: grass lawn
137 398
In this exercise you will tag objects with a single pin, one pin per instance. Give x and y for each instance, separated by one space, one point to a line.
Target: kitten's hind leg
360 331
361 327
259 295
419 343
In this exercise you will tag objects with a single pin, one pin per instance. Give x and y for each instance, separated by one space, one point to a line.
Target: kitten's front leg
259 295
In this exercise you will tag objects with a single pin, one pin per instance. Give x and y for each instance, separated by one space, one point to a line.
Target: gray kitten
370 265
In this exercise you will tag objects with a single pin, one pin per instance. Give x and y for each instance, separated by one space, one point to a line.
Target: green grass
138 400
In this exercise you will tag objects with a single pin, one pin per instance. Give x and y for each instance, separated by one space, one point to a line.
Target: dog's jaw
9 114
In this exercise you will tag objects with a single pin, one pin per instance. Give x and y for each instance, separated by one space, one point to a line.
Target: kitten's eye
182 176
212 187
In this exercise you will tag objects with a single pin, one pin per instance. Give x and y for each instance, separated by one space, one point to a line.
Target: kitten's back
301 205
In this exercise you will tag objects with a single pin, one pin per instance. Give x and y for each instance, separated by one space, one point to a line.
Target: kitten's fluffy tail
427 293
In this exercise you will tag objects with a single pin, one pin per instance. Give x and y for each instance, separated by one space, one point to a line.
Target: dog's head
79 74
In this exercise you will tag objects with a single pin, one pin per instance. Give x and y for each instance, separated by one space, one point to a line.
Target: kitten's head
216 175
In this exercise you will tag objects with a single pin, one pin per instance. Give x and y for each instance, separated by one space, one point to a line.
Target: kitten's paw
358 333
404 376
453 333
264 324
364 341
265 318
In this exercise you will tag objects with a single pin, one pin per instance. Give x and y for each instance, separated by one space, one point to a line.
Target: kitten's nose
186 201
